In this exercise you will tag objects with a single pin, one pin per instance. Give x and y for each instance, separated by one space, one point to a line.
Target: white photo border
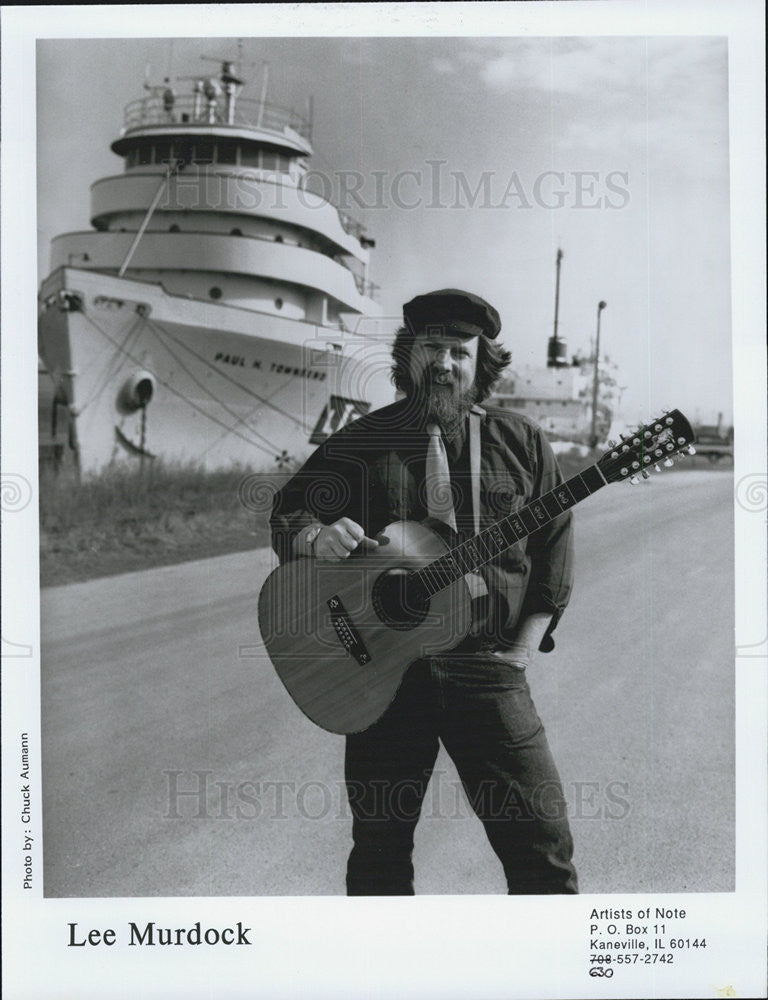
423 947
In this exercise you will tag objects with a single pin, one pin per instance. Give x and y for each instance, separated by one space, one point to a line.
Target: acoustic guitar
342 635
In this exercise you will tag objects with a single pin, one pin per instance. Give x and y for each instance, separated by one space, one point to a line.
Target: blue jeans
480 706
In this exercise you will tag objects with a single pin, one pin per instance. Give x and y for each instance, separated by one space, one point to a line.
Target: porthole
278 303
235 232
174 229
215 292
278 238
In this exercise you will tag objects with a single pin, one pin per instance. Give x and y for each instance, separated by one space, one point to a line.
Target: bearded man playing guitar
436 456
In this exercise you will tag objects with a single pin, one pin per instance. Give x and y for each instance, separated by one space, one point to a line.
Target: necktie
438 479
440 497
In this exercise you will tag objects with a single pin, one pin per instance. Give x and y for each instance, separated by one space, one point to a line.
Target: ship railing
322 186
366 288
350 225
195 110
198 110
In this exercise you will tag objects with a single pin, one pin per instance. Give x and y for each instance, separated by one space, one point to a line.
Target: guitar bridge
346 631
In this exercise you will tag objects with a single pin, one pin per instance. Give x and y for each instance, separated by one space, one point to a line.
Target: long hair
492 359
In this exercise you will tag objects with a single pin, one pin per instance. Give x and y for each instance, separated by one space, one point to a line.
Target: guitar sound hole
399 601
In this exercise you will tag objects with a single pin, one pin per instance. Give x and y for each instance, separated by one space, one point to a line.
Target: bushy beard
440 401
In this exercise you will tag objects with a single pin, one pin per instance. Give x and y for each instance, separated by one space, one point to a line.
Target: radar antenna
228 81
227 74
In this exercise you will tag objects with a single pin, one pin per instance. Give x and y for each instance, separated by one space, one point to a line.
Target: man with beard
436 453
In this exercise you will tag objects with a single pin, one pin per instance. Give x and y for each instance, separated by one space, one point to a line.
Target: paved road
174 763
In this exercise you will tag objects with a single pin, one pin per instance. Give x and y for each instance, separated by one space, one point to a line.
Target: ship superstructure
205 316
559 399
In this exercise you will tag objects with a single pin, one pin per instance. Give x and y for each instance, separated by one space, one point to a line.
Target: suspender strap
475 582
476 415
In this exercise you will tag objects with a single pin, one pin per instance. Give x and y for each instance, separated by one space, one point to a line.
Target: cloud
577 70
443 66
600 67
662 97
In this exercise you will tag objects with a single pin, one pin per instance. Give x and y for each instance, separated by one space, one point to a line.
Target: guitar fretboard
480 549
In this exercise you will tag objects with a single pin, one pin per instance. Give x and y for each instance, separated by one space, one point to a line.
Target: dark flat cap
454 311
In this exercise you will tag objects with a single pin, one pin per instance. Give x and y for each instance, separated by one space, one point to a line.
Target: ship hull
143 375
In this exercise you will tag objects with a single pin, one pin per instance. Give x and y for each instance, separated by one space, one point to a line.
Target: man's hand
336 541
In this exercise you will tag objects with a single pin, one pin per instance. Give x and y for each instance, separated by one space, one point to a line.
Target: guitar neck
480 549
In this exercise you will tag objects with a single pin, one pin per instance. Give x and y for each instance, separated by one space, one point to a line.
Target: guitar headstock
651 446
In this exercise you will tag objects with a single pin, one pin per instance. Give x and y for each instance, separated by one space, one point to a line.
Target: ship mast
556 349
557 288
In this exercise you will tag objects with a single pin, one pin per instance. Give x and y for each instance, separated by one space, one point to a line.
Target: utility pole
593 434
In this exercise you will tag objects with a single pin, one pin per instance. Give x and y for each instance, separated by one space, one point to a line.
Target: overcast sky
615 149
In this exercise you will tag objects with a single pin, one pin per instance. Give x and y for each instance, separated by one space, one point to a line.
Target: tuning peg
633 481
611 443
656 467
645 474
668 463
691 450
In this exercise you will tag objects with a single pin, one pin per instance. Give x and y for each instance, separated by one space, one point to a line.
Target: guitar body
341 635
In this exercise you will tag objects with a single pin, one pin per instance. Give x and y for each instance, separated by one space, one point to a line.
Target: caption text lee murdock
151 935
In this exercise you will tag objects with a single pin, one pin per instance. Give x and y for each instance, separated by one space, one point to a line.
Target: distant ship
574 402
559 399
219 311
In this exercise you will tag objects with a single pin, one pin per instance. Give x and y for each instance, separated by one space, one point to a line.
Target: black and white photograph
384 500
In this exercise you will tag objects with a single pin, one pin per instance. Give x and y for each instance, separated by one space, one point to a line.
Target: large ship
219 310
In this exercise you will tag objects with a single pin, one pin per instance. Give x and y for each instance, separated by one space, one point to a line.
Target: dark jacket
372 471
